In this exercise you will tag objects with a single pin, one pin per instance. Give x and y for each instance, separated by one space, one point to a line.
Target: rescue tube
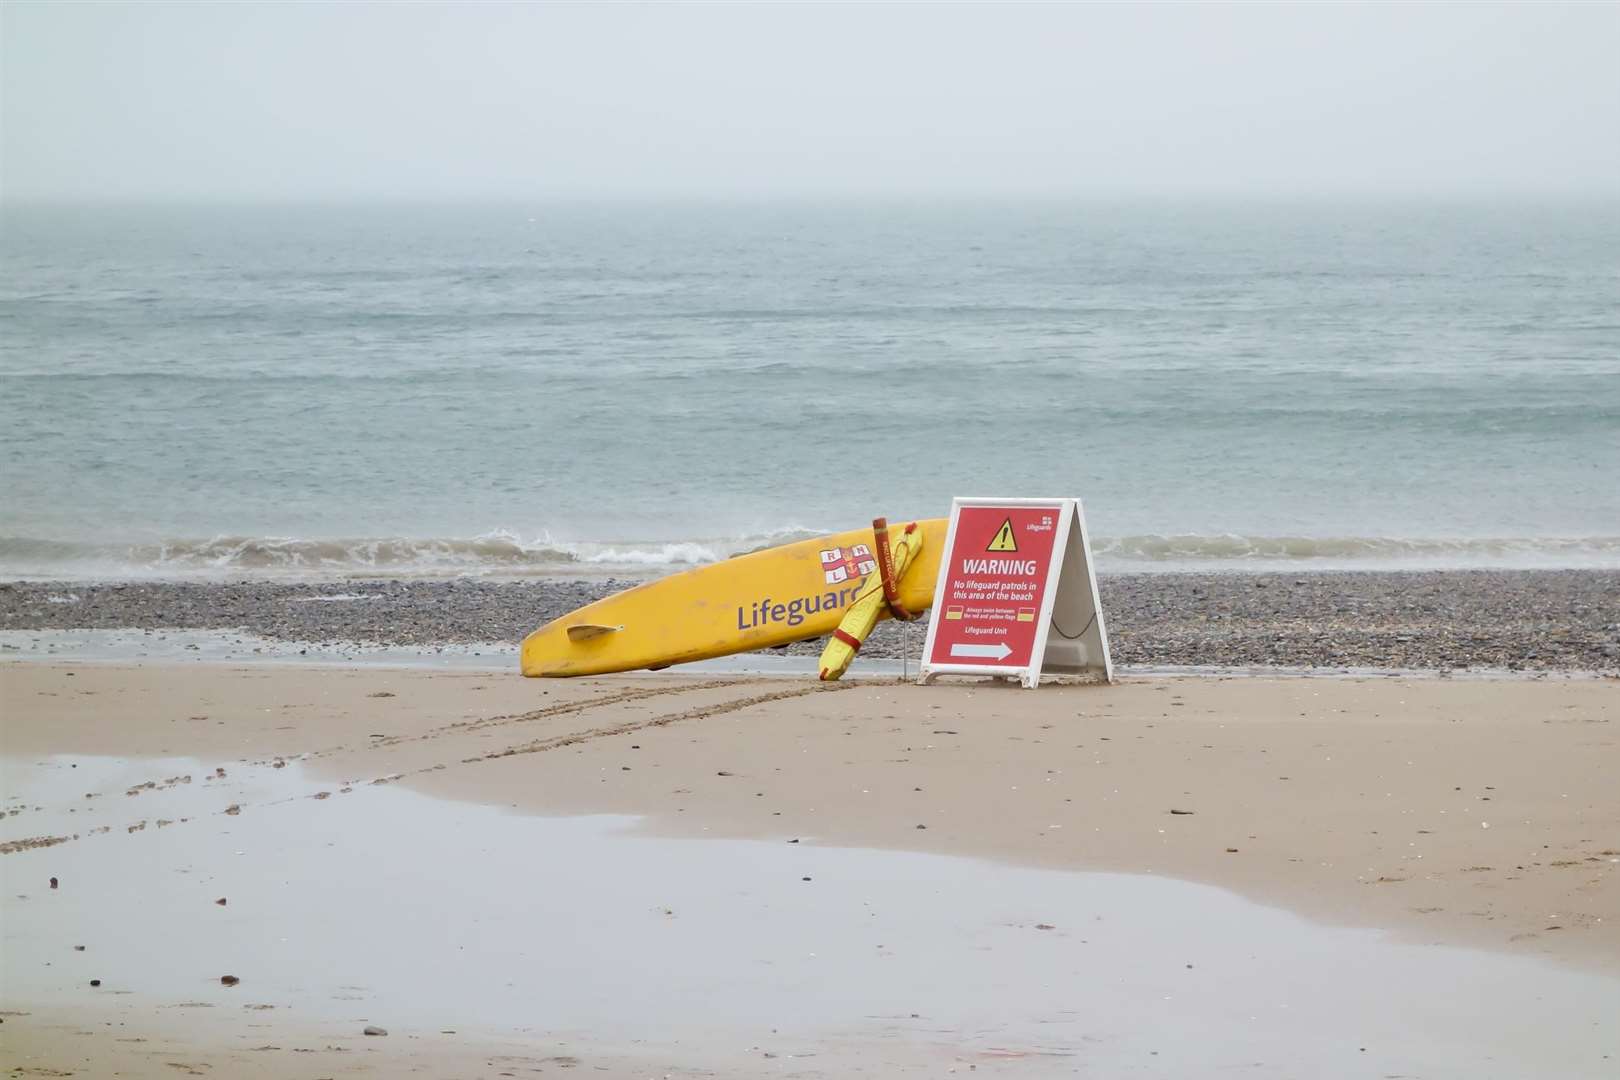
867 608
891 577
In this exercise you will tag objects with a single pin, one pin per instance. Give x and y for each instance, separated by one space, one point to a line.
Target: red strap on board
848 639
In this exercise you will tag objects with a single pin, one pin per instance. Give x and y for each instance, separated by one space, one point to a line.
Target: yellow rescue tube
869 606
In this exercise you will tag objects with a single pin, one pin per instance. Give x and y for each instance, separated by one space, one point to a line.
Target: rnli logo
841 564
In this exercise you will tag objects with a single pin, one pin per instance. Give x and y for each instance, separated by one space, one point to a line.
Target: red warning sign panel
993 586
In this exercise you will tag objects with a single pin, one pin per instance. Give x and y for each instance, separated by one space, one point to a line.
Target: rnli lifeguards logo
841 564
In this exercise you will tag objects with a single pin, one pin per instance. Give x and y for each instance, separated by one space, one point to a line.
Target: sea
616 388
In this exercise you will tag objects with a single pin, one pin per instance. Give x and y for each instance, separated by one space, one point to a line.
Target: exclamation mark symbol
1004 538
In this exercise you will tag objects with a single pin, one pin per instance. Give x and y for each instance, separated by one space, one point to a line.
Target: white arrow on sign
998 651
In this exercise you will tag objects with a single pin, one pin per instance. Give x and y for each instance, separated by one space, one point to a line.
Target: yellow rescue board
754 601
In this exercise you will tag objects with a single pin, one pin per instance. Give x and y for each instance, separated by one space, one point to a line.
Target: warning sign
1009 569
990 599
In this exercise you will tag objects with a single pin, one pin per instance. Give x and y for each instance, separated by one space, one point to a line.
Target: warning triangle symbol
1004 538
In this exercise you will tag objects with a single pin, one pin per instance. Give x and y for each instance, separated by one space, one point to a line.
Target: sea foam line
501 553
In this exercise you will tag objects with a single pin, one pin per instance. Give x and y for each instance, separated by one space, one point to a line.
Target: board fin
586 631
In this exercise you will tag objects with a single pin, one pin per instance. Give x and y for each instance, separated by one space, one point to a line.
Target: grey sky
424 102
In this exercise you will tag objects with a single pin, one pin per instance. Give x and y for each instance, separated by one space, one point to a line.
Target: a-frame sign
1017 594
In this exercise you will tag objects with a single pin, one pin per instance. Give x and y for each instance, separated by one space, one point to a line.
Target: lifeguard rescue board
755 601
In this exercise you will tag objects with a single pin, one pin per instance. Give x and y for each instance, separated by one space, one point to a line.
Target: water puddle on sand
380 905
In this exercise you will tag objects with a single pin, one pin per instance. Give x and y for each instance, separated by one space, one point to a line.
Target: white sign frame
1070 573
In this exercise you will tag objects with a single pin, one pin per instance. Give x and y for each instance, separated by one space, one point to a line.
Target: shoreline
1347 774
162 648
1427 833
1506 620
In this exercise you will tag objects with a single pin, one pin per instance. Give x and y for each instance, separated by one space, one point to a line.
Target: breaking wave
495 553
1155 548
503 554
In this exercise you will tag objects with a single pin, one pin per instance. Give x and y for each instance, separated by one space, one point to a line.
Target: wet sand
1440 815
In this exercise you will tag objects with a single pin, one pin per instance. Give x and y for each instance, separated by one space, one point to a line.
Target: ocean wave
497 552
507 554
1595 551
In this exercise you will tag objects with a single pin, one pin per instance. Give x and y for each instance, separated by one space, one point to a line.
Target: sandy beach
1436 821
350 352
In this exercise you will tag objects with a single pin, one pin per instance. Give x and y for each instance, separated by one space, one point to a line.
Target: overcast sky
238 102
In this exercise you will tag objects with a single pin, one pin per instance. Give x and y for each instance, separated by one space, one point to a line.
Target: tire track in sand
546 712
564 708
534 746
703 712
